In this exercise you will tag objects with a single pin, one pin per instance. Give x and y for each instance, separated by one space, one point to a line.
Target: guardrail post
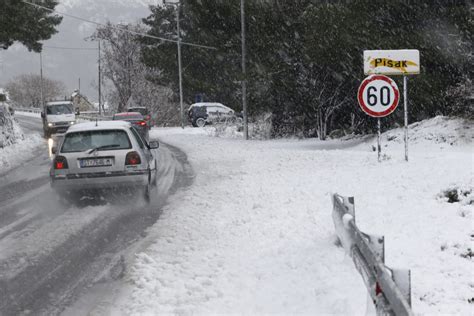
390 289
402 278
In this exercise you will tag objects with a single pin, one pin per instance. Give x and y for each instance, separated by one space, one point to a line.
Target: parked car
202 113
103 155
57 117
143 111
136 119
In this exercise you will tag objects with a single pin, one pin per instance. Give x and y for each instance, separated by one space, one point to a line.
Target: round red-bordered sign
378 95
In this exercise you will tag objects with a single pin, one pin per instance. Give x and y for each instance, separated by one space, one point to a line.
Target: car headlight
71 123
50 124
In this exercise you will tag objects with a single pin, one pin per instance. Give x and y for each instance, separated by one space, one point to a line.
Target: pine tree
27 24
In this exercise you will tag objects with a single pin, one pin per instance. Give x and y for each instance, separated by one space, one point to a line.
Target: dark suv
200 114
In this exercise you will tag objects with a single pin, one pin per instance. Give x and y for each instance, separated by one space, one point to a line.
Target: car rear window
99 140
143 111
131 117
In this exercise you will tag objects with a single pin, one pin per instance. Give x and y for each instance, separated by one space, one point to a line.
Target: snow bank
254 234
16 154
10 131
438 133
16 147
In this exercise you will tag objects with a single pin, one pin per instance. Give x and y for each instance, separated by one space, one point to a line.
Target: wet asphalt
51 253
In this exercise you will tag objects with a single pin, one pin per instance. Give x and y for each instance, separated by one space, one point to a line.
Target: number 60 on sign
378 95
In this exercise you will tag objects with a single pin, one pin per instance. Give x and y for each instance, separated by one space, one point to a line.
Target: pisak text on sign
392 62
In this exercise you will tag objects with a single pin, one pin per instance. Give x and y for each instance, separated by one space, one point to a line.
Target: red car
143 111
137 120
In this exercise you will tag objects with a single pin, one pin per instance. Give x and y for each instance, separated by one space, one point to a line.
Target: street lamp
177 4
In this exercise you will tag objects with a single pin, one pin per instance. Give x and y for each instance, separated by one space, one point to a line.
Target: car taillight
133 158
60 162
141 123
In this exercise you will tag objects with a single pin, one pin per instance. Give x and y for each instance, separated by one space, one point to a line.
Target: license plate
96 162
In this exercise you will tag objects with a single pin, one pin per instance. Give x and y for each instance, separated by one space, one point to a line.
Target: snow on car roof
207 104
99 125
58 102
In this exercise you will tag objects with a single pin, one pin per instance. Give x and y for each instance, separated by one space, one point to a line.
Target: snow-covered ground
254 233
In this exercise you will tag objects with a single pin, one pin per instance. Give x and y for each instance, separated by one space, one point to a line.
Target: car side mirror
154 144
42 114
54 150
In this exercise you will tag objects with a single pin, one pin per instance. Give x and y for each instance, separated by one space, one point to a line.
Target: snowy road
51 254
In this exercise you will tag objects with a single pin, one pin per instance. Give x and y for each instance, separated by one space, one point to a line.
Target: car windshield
97 140
63 108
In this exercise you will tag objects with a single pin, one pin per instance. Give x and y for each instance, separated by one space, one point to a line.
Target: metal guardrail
390 289
85 115
30 110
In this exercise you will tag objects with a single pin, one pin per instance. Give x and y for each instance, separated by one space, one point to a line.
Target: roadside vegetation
305 57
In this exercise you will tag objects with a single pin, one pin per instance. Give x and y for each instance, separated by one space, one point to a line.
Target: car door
144 148
213 113
224 112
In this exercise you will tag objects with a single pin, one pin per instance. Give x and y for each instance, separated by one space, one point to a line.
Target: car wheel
200 122
147 193
155 176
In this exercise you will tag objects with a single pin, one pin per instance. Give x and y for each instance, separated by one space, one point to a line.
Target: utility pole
244 71
100 85
79 88
41 82
180 70
180 67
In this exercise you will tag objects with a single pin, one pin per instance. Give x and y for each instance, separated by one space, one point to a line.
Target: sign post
379 141
405 110
394 62
378 96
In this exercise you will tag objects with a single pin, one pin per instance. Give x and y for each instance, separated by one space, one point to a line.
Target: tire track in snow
54 279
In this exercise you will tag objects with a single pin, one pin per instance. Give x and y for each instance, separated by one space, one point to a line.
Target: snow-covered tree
25 90
129 77
304 58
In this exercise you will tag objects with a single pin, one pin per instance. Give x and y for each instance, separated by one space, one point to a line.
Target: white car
57 117
103 155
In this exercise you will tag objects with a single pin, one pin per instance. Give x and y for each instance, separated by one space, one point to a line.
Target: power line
71 48
115 27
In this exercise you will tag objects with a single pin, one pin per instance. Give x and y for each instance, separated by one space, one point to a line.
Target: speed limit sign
378 95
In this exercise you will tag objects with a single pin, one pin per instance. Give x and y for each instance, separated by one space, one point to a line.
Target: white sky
70 65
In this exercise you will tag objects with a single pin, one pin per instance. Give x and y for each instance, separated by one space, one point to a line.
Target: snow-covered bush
463 194
259 129
262 127
10 131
